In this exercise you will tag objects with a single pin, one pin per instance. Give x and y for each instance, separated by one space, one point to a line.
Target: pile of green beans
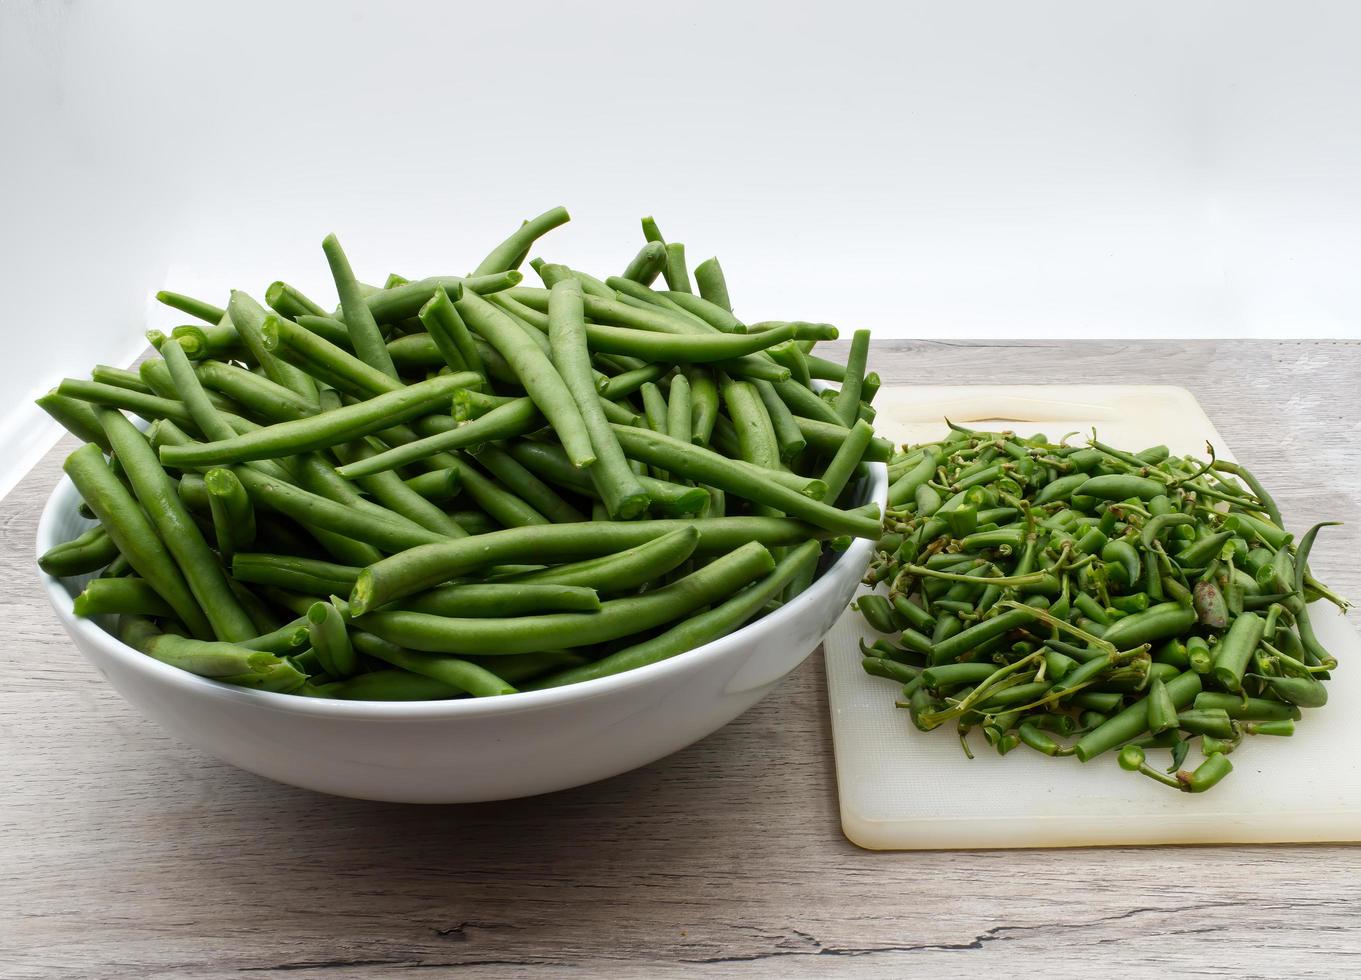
1083 599
463 485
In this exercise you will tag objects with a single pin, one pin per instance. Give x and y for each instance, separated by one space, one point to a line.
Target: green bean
623 570
679 424
228 662
506 256
1214 722
134 535
1300 609
494 599
877 611
534 318
289 302
788 436
1157 623
516 417
703 404
149 407
825 438
677 278
725 439
731 476
550 463
616 618
653 409
847 458
405 301
1203 550
75 416
219 340
826 370
713 313
120 596
421 568
249 319
1246 708
324 360
1258 491
260 396
712 286
452 671
755 432
647 265
390 491
1133 721
848 399
393 685
791 355
365 337
1162 713
307 576
119 378
436 486
623 495
948 649
89 552
321 431
391 534
450 333
232 513
695 348
1236 648
498 502
330 640
158 495
194 307
721 620
526 485
625 384
552 274
1119 487
1306 692
540 378
806 404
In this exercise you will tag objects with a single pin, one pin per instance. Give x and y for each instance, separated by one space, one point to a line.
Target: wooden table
123 853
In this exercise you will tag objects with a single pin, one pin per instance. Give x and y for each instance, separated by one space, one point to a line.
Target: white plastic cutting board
905 789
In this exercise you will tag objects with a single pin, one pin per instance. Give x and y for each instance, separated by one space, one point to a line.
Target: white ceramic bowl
474 750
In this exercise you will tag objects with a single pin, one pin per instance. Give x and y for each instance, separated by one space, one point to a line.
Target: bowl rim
88 631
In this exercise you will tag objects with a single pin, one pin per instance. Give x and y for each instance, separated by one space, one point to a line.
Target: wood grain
123 853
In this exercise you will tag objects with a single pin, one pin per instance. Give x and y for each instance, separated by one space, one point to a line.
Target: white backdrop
983 169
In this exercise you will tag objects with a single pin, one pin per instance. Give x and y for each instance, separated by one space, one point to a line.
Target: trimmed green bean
848 399
322 431
249 319
712 285
228 662
231 510
507 255
711 624
535 371
120 596
330 640
159 497
89 552
418 569
730 476
616 618
624 497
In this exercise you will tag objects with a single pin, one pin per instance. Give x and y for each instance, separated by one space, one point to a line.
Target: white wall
980 169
